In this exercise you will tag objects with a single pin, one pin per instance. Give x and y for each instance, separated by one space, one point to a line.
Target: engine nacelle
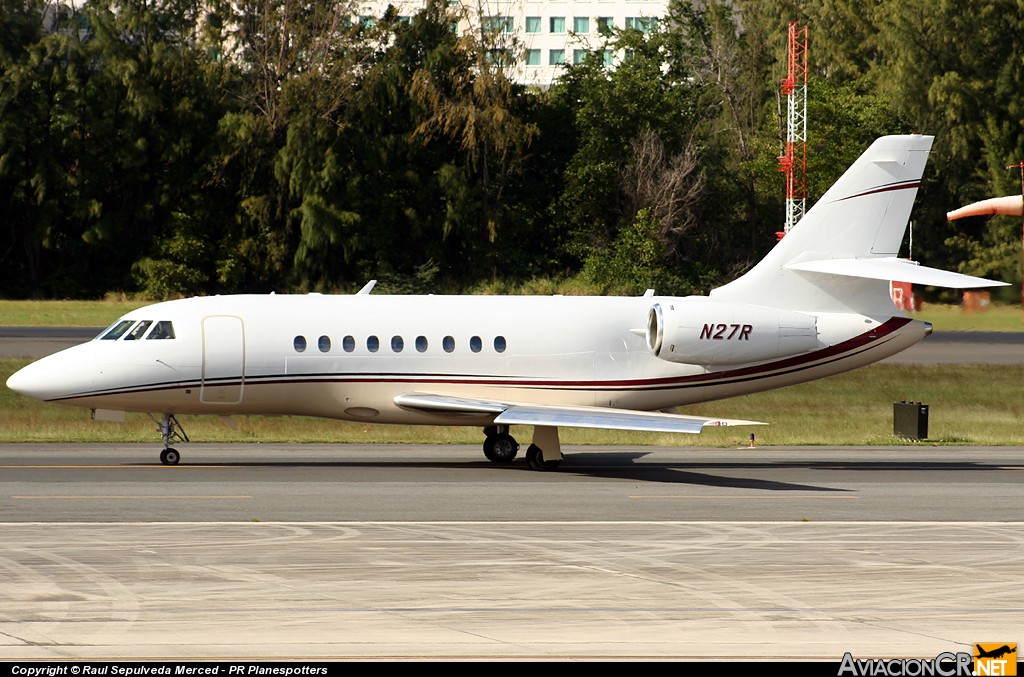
711 333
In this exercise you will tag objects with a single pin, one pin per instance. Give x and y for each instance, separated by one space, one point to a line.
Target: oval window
372 344
299 343
421 344
397 344
475 344
448 344
499 344
348 344
324 344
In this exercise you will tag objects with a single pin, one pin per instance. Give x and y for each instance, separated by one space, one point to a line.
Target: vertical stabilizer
863 215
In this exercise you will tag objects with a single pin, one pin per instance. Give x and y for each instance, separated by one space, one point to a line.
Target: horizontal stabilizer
893 269
564 416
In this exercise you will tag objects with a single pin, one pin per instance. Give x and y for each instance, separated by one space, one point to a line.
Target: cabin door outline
223 378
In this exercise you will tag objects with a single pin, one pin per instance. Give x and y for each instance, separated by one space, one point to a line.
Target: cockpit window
139 331
162 330
117 330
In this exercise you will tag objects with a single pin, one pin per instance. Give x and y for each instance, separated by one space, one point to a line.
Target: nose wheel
170 430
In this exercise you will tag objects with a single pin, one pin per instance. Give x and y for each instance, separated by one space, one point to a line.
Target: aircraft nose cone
29 382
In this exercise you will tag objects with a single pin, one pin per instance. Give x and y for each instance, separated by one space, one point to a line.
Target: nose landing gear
170 430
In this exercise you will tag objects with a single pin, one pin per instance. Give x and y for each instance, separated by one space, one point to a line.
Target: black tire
170 456
501 448
534 456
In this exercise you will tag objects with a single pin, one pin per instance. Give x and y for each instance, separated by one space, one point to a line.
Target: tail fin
842 253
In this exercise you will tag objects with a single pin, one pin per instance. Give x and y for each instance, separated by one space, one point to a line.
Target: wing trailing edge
506 413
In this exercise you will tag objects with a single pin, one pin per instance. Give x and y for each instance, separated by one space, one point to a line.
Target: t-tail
842 255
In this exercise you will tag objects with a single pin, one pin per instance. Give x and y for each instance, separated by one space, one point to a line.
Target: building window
372 344
608 57
605 24
644 24
348 344
367 22
397 344
533 57
299 343
499 24
579 56
556 57
533 24
581 24
421 344
475 344
324 344
556 24
499 57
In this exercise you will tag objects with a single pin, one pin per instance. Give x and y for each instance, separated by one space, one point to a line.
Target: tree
473 103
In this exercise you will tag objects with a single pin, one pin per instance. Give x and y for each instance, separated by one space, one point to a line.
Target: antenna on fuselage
367 288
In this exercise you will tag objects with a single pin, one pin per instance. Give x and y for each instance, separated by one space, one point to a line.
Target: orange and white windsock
1012 205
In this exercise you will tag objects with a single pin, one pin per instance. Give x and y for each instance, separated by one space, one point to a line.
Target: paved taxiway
259 551
275 551
241 482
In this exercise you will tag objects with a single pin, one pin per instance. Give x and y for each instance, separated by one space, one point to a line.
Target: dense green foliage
173 147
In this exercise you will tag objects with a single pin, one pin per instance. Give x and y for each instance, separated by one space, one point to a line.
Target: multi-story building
539 38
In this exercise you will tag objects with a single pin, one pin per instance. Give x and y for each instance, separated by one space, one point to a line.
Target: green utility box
910 420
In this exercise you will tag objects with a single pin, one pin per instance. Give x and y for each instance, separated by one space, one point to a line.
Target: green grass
968 405
952 318
64 313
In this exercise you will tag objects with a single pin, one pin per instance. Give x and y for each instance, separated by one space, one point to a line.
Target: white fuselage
239 355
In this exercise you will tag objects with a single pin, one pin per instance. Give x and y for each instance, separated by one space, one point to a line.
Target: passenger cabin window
448 344
300 344
139 331
499 344
324 344
421 344
117 331
397 344
348 344
372 344
162 330
475 344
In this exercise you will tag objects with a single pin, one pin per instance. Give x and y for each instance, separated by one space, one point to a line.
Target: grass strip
969 404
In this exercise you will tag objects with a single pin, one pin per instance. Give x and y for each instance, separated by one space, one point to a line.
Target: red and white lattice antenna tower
794 162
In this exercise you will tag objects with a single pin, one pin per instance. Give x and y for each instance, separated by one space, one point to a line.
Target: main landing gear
499 446
535 457
170 430
544 454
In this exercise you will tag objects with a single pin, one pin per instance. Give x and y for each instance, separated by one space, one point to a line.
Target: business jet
818 304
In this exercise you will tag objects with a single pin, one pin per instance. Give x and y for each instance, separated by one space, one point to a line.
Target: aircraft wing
890 268
564 416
